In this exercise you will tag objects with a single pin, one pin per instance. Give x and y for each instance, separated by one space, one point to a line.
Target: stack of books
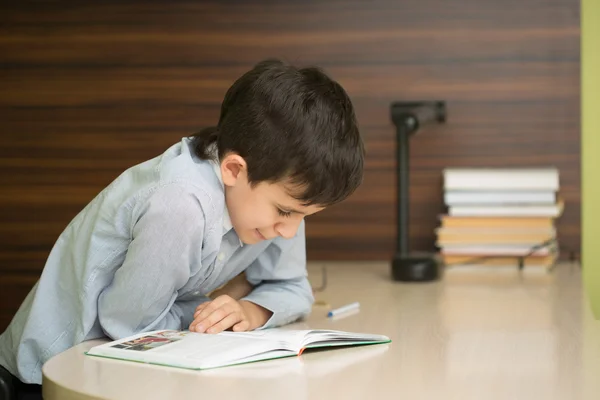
496 216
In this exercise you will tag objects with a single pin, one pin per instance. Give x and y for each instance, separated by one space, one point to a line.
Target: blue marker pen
346 308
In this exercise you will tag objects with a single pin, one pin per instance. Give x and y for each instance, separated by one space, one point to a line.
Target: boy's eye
284 213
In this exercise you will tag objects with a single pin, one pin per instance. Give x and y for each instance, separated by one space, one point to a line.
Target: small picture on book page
150 342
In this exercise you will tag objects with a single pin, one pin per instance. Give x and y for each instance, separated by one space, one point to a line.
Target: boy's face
263 212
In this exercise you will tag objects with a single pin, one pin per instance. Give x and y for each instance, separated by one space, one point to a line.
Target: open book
194 350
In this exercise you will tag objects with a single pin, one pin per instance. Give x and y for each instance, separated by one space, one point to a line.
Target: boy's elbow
115 329
308 302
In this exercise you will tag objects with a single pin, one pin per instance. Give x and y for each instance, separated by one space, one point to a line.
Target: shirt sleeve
280 277
166 242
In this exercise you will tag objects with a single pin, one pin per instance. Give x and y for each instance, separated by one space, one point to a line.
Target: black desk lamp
408 118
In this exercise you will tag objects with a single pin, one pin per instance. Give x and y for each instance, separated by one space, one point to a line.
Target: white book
494 231
489 250
550 210
461 197
531 179
192 350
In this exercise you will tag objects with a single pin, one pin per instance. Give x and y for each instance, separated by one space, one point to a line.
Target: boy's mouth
260 235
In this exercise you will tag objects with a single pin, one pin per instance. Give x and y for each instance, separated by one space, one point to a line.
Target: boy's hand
224 312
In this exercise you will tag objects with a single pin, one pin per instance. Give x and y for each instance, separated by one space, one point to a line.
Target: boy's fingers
241 326
202 305
200 315
208 318
196 318
206 311
211 306
225 323
200 308
221 300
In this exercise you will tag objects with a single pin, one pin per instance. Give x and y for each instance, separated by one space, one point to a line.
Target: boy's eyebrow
289 209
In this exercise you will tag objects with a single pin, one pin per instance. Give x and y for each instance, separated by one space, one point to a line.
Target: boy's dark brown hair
291 125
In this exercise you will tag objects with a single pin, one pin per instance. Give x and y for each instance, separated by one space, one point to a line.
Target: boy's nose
287 230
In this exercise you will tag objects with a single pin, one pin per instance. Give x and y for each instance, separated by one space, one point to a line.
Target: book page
187 349
298 339
289 338
327 337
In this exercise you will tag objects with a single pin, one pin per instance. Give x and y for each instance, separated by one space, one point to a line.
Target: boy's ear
233 167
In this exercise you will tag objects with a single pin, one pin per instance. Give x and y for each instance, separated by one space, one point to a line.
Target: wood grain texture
13 289
89 89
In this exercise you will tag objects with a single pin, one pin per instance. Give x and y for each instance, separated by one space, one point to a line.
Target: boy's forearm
236 288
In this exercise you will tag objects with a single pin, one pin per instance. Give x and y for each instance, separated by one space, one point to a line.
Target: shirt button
221 256
196 293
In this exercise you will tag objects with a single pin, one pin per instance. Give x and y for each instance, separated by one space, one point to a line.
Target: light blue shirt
141 256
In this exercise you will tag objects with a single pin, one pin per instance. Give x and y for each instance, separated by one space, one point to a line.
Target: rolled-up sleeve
280 279
166 242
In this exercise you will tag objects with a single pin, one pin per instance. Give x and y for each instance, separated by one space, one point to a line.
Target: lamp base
416 267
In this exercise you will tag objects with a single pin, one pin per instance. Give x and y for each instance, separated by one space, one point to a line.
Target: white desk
474 335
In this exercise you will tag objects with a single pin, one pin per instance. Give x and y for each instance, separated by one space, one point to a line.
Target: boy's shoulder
175 176
178 163
180 169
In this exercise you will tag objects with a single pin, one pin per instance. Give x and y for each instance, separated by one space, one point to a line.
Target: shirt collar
227 225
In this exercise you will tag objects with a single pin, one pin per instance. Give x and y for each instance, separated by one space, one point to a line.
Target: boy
145 253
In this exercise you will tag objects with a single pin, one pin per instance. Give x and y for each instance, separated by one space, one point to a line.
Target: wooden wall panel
89 89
